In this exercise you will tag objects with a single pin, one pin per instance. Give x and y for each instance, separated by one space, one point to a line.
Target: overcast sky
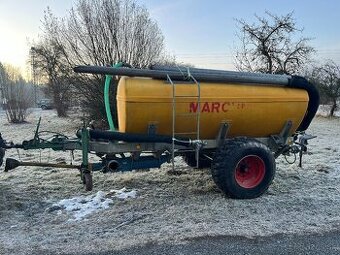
199 32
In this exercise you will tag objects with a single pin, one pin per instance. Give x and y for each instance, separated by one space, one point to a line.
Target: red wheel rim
250 171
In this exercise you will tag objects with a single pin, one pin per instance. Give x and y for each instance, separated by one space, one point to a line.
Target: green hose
108 79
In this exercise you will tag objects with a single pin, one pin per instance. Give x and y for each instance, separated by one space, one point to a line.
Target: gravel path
316 244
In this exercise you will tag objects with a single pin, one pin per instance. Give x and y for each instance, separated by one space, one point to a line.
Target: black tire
203 162
243 168
44 107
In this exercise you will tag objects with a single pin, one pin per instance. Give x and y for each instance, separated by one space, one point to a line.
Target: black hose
313 103
136 138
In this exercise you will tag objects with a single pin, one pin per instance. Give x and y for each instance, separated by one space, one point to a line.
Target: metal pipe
178 75
138 138
13 163
40 164
195 71
113 165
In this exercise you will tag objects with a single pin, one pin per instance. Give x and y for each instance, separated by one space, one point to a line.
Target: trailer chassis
125 156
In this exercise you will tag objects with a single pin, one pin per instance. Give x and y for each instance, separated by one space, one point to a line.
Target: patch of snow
123 194
81 206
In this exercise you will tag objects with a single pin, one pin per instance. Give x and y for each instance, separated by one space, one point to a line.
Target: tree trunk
60 105
334 106
61 108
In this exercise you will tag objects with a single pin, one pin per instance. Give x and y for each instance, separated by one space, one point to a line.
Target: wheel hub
250 171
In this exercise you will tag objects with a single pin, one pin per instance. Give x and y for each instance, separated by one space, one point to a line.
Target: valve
303 142
298 147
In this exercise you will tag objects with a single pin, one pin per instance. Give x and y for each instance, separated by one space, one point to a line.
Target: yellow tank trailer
235 123
252 111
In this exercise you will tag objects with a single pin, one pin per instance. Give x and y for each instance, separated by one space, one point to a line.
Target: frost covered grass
166 208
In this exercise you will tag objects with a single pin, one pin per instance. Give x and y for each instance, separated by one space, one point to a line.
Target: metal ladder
196 115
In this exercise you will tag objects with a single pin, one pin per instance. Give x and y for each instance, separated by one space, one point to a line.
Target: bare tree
103 32
16 94
49 62
268 46
327 78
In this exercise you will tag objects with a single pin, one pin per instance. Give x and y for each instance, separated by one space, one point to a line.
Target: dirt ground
167 208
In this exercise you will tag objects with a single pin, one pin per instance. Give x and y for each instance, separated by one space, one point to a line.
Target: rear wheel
243 168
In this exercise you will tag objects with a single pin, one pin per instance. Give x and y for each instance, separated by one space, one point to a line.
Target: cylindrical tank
252 110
